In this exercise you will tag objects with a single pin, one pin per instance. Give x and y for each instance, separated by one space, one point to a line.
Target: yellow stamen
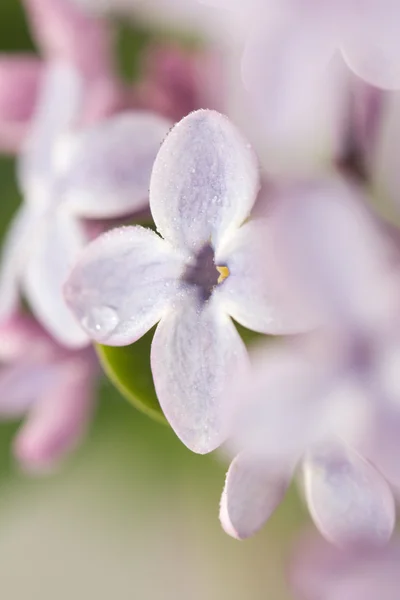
223 273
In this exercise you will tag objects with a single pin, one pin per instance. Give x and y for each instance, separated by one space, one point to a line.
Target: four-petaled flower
206 268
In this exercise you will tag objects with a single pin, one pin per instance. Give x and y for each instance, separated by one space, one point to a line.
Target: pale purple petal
204 182
22 336
315 566
22 384
340 280
19 81
253 490
57 107
106 168
256 293
123 284
349 500
59 418
294 89
320 570
283 401
54 248
371 44
195 351
13 256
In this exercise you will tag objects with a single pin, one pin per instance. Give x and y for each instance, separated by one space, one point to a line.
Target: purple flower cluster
294 236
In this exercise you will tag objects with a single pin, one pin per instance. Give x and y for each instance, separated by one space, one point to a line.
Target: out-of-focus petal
65 32
122 284
22 384
283 401
195 351
204 182
256 293
253 490
19 81
56 245
22 336
57 107
321 570
13 258
349 500
106 168
294 89
59 418
337 252
371 44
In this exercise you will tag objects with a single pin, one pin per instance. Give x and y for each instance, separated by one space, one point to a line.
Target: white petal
123 284
57 107
204 182
349 500
14 253
195 350
106 168
255 293
253 490
54 248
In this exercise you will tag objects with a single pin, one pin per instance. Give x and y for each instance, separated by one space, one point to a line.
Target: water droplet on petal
100 321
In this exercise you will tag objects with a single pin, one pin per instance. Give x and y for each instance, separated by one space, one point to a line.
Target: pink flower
50 386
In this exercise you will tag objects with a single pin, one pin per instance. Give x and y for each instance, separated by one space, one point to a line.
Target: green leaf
128 368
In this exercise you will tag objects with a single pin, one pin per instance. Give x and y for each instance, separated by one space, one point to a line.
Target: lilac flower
52 386
201 272
319 571
55 171
322 400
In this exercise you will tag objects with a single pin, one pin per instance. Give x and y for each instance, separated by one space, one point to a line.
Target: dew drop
101 321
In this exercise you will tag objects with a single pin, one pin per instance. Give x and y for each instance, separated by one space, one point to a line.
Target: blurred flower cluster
262 160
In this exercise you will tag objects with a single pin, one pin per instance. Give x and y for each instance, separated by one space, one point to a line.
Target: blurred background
133 514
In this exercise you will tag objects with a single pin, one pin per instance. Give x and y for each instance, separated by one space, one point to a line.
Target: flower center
204 273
